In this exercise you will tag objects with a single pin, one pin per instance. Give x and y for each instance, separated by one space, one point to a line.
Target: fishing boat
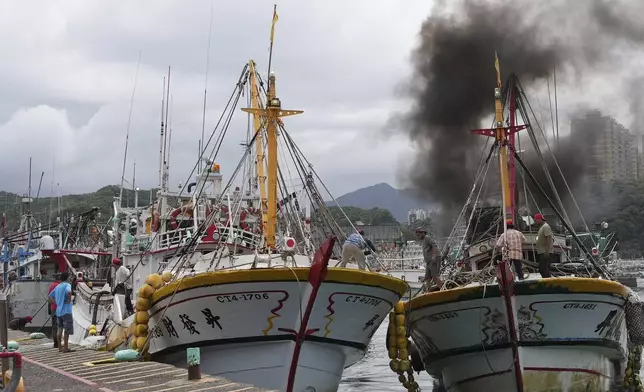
484 330
405 263
34 254
249 277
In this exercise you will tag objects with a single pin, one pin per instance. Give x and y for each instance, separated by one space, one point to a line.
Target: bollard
194 360
4 329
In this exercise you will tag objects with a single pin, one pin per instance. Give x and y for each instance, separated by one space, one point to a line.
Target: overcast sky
68 72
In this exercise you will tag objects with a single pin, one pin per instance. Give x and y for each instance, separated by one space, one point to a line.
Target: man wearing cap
512 241
122 284
430 255
545 245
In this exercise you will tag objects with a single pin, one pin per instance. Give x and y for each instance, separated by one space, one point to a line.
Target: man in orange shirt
52 312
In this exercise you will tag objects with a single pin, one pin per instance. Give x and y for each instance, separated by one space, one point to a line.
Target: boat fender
398 348
416 361
7 381
12 346
37 335
142 317
167 276
126 355
143 305
92 330
141 330
632 372
155 281
146 291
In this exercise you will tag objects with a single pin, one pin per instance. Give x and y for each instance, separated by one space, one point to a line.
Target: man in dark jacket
431 258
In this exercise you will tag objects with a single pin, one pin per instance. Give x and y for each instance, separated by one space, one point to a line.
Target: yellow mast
271 114
259 142
501 138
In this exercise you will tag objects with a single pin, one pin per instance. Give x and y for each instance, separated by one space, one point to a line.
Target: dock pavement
45 369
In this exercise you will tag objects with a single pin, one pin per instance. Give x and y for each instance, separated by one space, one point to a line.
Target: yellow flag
275 19
498 69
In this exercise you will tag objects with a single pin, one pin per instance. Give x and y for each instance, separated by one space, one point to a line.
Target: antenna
40 185
29 192
127 131
169 133
51 194
552 118
270 51
205 88
556 106
164 185
162 133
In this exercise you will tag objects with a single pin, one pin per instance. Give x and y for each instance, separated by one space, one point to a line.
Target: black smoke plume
454 78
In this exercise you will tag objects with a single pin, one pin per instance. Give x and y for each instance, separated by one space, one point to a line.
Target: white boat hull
28 298
249 323
568 332
89 308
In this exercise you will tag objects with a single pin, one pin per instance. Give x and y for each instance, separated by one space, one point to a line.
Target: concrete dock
45 369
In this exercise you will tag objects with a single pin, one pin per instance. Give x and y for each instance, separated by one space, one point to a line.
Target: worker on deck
122 284
545 245
511 241
354 248
430 256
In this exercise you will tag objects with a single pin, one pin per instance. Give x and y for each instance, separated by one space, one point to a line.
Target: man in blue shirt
62 297
354 247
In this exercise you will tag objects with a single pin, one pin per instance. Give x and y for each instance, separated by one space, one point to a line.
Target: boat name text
442 316
242 297
363 300
575 305
189 324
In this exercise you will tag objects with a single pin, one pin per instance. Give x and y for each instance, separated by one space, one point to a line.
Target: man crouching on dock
62 297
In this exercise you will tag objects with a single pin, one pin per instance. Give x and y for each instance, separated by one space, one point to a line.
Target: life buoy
179 211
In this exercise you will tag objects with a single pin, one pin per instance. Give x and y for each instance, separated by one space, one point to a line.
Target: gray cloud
70 71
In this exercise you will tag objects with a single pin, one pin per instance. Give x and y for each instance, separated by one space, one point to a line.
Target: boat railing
240 237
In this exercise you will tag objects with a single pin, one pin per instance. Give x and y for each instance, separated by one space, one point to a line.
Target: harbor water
373 373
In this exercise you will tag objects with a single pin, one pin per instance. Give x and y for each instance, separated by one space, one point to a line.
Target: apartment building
612 146
416 215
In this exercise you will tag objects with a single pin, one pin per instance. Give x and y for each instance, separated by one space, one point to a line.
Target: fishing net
635 319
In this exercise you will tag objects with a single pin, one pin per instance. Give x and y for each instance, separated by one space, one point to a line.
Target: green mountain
621 205
45 209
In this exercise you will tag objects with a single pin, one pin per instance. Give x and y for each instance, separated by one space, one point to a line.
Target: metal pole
4 329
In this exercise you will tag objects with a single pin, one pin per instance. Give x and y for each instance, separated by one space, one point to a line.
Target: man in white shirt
122 283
